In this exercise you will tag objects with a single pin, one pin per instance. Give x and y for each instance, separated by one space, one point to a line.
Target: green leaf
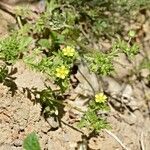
24 42
45 43
31 142
52 5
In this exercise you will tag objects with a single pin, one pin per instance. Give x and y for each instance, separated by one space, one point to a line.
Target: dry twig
116 138
142 142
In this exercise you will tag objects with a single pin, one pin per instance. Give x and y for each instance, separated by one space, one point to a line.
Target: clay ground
129 100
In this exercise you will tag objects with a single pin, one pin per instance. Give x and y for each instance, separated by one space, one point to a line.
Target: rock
127 94
89 83
32 5
133 105
111 86
145 72
122 66
81 102
130 119
53 122
116 104
6 21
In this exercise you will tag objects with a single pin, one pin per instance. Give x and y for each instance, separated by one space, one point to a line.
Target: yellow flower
68 51
100 98
62 72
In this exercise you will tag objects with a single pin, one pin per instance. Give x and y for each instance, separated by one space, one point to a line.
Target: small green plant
129 50
100 63
56 53
92 119
12 47
63 34
31 142
58 66
48 100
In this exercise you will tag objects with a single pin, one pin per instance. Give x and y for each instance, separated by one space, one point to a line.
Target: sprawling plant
65 35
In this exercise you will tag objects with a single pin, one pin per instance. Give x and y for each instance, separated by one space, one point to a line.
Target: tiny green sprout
100 98
31 142
131 33
68 51
62 72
